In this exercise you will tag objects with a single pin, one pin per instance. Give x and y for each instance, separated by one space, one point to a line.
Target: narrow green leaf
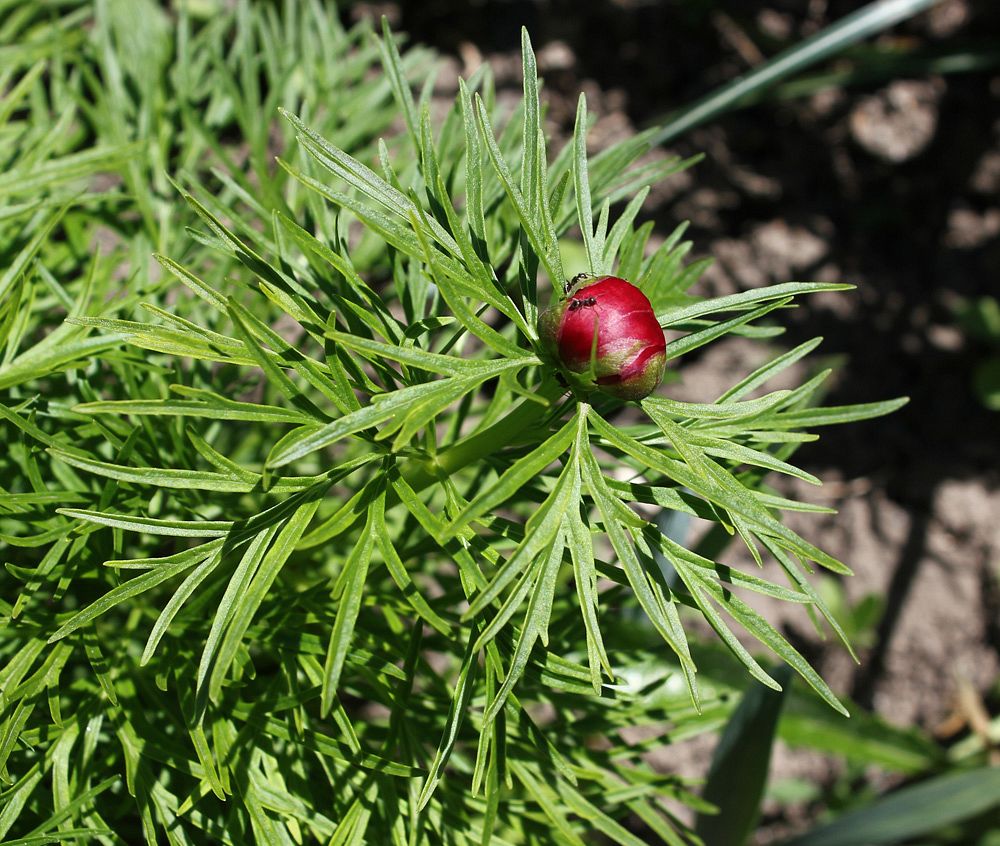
365 180
714 411
351 585
768 371
373 310
547 250
581 547
619 232
176 342
63 169
694 340
584 208
473 172
534 626
411 593
322 744
911 812
67 355
833 415
303 441
744 299
121 593
464 687
551 804
531 123
176 602
757 626
721 488
618 534
246 603
540 531
516 477
165 478
250 328
794 570
202 289
693 584
747 455
450 365
151 525
393 67
218 408
740 765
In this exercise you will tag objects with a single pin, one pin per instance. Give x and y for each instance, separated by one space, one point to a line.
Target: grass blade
866 21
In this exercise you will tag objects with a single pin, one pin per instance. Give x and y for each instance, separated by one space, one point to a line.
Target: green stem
485 442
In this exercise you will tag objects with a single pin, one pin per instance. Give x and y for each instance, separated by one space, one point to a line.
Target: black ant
587 302
570 284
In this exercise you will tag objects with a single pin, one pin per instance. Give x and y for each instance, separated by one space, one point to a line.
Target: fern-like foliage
337 559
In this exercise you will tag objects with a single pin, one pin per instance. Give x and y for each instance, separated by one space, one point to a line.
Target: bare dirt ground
892 184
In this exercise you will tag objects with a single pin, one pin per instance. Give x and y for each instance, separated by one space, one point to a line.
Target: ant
587 302
570 284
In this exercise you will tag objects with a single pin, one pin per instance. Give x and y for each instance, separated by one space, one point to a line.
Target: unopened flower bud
606 332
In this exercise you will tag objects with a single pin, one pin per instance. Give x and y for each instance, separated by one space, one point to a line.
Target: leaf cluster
320 550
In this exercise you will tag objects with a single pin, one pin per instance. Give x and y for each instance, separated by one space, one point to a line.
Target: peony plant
364 547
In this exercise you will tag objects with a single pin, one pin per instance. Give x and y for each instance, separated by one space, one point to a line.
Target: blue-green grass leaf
912 811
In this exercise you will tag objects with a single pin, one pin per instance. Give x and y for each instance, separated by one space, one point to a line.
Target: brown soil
893 185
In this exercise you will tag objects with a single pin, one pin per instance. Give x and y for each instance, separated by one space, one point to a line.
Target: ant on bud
605 331
570 284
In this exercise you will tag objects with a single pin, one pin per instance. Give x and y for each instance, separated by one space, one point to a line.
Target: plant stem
479 444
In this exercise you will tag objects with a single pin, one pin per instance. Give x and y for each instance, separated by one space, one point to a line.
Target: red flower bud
607 330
